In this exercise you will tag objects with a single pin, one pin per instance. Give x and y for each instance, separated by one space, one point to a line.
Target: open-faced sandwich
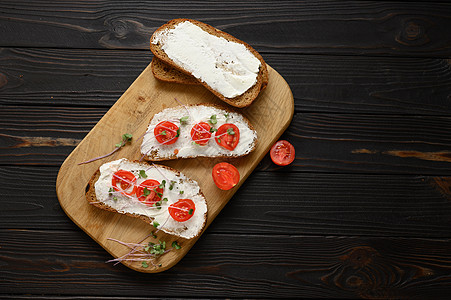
156 194
202 130
227 66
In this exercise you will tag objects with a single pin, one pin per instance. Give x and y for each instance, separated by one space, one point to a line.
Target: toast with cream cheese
227 66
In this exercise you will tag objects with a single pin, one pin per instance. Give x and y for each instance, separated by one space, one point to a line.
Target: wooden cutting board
270 114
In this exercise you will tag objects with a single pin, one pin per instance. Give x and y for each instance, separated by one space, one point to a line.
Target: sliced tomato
182 210
149 192
200 133
282 153
166 132
126 180
227 136
225 176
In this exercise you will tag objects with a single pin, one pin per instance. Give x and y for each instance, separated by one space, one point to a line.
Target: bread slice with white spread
110 195
227 66
224 133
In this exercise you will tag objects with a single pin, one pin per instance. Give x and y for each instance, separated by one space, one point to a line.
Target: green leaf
163 183
144 264
213 129
142 174
181 192
230 131
176 245
118 145
178 133
184 119
163 132
156 224
190 212
146 191
213 119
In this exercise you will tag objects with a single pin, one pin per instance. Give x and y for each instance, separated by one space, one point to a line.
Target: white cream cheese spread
177 186
227 67
184 146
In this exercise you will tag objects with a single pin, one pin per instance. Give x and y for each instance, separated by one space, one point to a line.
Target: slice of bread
184 146
165 72
244 99
100 193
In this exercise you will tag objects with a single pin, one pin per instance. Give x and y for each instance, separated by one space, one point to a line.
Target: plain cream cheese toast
226 66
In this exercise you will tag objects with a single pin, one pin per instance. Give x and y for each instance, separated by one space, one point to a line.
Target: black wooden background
363 212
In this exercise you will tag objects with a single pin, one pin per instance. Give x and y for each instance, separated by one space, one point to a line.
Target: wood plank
323 204
320 83
345 143
370 143
347 27
69 263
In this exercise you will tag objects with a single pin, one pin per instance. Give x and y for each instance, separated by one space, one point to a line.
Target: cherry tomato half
126 180
166 132
200 133
227 136
182 210
149 192
282 153
225 176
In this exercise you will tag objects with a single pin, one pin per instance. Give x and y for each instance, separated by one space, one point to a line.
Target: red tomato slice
182 210
126 179
149 192
227 136
225 176
282 153
200 133
166 132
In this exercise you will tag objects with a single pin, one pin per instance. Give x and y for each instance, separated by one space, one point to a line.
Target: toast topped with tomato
228 67
202 130
159 195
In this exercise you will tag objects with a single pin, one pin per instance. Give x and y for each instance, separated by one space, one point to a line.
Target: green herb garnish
184 119
146 191
176 245
171 185
178 133
213 129
230 131
163 183
142 174
163 132
190 212
213 119
155 224
181 192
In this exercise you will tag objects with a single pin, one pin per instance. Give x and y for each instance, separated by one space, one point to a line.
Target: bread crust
242 100
92 198
167 73
153 155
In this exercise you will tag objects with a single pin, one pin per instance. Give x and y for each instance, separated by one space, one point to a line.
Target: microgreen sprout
190 212
176 245
171 185
144 264
181 192
146 191
155 224
163 132
126 138
230 131
213 129
178 133
184 120
142 174
213 119
163 183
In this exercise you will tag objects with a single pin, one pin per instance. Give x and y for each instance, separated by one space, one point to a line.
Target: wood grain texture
320 83
349 143
318 204
345 27
131 114
233 266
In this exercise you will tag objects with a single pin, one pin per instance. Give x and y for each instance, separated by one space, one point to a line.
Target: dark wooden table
363 212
